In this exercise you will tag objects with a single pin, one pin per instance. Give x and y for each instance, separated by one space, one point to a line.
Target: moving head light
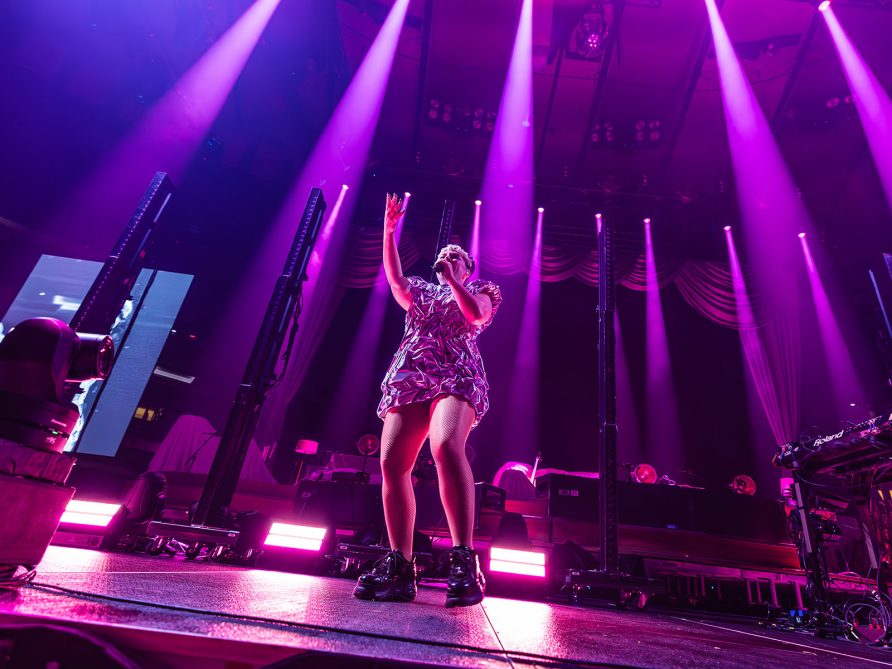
37 358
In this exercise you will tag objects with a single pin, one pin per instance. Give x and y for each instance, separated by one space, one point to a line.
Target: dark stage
183 614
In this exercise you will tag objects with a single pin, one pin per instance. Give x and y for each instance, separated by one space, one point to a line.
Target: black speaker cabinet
339 503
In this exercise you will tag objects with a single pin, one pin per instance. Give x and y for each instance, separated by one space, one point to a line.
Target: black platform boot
465 584
392 579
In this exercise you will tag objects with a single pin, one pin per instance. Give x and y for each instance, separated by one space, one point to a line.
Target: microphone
439 266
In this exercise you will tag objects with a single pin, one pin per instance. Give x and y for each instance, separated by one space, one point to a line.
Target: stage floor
186 614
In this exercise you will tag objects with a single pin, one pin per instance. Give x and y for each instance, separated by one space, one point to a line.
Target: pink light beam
871 100
351 397
771 210
663 428
508 177
339 157
522 432
166 139
847 390
754 354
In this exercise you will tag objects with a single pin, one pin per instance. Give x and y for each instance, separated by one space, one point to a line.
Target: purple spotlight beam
756 360
523 430
847 390
663 426
339 156
507 181
772 213
871 100
351 397
166 139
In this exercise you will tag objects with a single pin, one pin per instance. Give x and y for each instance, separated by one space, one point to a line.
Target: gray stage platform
196 615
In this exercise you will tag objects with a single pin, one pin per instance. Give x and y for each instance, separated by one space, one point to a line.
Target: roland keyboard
853 450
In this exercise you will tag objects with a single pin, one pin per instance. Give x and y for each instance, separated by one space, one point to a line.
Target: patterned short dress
438 354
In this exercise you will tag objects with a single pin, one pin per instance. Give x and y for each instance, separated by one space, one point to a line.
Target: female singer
436 386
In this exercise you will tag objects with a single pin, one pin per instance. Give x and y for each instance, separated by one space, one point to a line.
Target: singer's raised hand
399 284
393 212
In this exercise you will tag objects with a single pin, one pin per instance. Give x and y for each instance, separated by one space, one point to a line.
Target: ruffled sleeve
493 291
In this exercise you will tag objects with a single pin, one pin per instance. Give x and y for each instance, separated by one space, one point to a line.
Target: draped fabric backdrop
706 286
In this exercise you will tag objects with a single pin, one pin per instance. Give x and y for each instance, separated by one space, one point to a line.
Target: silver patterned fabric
438 354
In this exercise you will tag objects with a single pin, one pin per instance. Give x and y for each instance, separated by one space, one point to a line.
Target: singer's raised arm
399 285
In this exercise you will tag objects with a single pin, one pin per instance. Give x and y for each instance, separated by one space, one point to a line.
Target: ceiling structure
652 72
644 62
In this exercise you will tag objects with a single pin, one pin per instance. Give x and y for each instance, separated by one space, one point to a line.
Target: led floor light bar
510 561
301 537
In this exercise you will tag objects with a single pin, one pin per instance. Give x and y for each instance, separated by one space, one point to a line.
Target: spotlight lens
824 6
727 228
647 221
407 194
801 235
477 202
541 209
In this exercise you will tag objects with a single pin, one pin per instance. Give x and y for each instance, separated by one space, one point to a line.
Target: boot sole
464 599
389 595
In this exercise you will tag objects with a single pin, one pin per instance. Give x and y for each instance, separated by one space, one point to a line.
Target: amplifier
339 503
569 497
429 509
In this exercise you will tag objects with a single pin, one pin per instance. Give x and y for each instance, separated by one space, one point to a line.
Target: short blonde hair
455 248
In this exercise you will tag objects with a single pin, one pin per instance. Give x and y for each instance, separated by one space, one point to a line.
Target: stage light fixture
541 210
300 537
591 33
84 524
727 228
93 514
477 203
511 561
801 235
644 473
824 6
37 359
743 485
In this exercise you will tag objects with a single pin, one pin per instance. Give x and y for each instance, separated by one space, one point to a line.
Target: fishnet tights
449 421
